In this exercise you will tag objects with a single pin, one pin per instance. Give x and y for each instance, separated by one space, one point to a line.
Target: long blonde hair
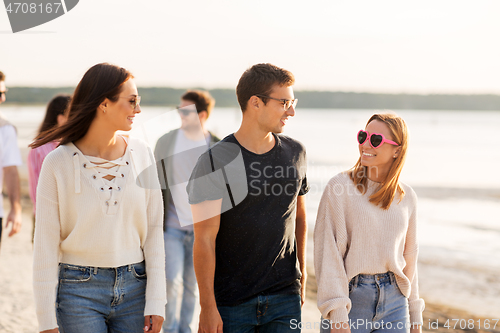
385 193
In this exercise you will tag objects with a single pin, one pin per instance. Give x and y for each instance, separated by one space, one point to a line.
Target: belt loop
95 270
130 268
356 281
393 278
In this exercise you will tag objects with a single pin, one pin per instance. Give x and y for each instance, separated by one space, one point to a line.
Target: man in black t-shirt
247 198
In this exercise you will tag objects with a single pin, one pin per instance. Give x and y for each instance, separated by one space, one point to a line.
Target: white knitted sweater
81 221
353 236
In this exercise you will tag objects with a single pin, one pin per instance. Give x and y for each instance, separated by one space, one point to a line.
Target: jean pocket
74 274
139 270
397 289
351 285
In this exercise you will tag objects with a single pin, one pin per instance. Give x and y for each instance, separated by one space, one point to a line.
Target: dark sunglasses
376 140
2 93
185 111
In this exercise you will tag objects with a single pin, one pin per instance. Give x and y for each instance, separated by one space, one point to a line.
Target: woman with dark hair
365 239
98 262
55 116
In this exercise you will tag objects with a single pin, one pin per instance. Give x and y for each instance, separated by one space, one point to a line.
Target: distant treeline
307 99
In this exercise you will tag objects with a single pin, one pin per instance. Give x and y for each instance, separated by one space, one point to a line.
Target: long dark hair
100 82
57 106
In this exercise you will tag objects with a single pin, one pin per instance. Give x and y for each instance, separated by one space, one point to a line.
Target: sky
438 46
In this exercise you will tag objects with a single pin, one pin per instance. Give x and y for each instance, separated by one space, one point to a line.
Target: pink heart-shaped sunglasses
376 140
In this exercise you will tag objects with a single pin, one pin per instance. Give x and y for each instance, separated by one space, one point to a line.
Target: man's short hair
2 76
259 80
201 99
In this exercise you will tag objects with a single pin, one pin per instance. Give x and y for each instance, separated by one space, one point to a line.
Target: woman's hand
54 330
416 329
340 328
153 324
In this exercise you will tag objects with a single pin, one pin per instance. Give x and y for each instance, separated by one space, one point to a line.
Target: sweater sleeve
330 241
154 252
46 248
410 255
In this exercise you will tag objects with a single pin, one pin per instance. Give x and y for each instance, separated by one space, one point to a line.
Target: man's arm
301 237
205 233
11 179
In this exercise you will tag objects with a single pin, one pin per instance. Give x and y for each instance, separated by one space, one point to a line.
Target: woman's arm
330 242
154 251
46 248
416 304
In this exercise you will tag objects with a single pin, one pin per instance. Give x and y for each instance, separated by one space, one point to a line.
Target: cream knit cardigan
353 236
78 222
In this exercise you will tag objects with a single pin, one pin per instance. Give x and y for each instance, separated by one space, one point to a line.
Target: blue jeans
180 274
263 314
101 300
377 305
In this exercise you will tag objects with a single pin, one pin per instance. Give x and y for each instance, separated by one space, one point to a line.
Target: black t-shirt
255 245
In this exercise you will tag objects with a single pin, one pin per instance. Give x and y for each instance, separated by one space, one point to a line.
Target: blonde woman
365 239
99 263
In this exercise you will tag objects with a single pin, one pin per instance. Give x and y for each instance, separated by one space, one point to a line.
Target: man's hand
153 324
15 219
210 320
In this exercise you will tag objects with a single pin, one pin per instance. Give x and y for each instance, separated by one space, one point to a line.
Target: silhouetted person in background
181 145
10 159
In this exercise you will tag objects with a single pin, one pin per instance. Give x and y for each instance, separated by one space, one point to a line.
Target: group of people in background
120 228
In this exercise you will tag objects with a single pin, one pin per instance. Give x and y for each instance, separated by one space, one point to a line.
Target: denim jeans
263 314
180 275
101 300
377 305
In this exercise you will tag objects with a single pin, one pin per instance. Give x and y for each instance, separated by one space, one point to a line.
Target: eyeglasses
2 93
186 110
376 139
287 103
135 102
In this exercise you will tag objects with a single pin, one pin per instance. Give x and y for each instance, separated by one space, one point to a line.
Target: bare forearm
301 233
204 266
11 179
301 237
